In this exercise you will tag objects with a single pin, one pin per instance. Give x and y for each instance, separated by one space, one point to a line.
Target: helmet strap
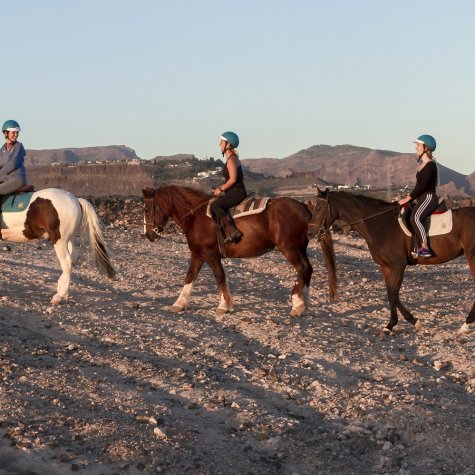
226 147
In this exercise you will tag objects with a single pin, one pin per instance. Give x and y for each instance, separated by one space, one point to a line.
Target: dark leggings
426 203
231 198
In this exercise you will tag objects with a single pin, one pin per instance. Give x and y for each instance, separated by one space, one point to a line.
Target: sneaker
424 252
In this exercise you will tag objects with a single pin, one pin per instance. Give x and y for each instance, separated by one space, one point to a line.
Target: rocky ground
112 382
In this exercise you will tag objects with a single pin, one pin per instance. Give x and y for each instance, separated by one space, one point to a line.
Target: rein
323 228
158 230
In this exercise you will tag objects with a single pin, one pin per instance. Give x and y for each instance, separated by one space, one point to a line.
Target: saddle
437 223
16 201
249 205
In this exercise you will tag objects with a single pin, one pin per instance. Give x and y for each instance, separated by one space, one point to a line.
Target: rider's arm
14 161
232 170
425 180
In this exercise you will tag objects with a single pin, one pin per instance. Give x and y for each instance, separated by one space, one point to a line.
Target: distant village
213 172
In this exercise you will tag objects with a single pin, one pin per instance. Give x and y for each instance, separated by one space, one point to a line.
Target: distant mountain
95 170
35 158
350 165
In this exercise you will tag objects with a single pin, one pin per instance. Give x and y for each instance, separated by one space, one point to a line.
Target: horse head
320 211
154 216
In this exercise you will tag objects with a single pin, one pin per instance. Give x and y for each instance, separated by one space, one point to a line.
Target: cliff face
36 158
93 179
76 169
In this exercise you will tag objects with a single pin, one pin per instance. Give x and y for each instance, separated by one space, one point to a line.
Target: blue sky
166 77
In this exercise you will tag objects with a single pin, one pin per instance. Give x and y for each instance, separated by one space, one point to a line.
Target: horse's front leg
393 277
184 298
226 303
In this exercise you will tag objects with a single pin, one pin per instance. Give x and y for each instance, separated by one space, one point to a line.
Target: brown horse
283 225
376 221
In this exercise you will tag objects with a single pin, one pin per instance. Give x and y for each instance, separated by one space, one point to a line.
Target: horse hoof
56 300
222 311
418 326
296 312
176 309
466 328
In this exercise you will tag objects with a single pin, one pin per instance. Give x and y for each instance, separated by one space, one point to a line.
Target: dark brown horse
376 221
283 225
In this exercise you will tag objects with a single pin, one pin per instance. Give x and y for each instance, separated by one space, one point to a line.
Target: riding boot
231 232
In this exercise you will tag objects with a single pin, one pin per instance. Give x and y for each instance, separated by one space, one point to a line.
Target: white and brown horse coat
58 215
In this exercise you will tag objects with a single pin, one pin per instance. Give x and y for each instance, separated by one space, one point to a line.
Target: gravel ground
112 382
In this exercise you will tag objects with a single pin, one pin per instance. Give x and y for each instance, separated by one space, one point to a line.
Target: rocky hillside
121 179
76 155
117 170
351 165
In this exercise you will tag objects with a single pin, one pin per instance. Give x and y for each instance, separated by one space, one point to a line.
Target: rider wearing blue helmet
423 194
232 191
12 155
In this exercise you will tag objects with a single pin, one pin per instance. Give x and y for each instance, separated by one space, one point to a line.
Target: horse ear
319 192
148 192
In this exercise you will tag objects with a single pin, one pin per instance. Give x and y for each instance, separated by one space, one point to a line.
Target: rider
424 194
12 155
232 191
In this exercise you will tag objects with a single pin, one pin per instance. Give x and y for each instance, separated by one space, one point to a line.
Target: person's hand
404 200
218 191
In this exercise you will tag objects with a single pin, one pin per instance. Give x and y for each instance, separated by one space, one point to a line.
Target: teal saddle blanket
16 203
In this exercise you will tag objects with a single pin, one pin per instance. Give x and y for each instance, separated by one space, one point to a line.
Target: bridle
153 207
323 228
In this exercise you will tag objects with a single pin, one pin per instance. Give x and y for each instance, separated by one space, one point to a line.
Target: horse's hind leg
298 258
393 278
184 298
226 302
73 251
469 325
65 260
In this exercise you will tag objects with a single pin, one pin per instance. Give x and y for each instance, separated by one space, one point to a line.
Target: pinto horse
283 225
377 222
57 215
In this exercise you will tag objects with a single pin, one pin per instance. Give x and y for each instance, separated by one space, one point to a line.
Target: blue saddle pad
16 203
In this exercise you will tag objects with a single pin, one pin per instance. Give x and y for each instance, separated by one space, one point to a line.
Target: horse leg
184 298
299 260
469 325
226 302
393 278
73 251
65 260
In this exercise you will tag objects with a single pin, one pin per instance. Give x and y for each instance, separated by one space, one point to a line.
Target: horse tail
90 221
326 243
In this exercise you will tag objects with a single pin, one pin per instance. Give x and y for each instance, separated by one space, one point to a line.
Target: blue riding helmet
231 138
428 141
11 125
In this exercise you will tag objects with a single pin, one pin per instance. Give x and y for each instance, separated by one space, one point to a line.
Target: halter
323 228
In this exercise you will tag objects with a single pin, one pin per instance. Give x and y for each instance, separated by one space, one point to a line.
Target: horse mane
368 201
181 198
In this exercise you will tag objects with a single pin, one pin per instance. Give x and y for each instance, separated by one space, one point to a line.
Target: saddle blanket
438 224
16 203
250 205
